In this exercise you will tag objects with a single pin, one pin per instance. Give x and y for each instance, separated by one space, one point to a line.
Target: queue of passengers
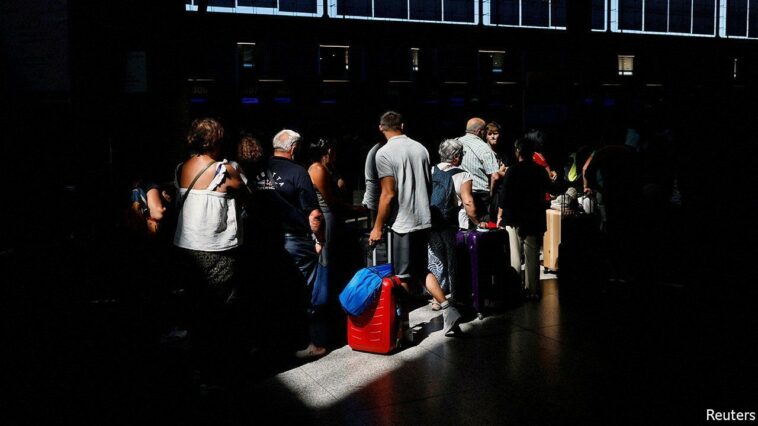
226 237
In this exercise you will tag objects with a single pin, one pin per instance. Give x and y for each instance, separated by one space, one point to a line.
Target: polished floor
621 353
545 362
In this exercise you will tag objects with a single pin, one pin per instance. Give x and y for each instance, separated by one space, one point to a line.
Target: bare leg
515 248
532 269
450 315
433 287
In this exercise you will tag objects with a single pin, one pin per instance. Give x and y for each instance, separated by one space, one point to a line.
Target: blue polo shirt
297 196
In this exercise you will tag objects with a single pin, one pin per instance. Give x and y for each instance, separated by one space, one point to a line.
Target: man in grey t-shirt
404 173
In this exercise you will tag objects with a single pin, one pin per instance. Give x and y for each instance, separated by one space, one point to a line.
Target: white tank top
209 220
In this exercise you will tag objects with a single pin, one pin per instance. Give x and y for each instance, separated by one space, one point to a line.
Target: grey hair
449 148
284 140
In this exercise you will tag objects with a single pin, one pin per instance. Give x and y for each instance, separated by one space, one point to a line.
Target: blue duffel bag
364 288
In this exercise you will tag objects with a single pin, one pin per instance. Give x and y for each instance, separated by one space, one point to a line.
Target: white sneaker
450 317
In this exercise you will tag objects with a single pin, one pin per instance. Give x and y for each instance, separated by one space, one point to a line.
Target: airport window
700 18
599 15
334 62
313 8
525 13
704 22
442 11
739 19
425 10
626 65
676 17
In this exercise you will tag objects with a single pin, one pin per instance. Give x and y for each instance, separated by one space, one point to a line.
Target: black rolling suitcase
580 251
482 257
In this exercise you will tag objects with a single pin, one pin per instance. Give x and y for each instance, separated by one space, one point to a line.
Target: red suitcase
379 328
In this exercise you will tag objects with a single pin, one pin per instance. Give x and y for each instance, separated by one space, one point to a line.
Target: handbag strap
194 181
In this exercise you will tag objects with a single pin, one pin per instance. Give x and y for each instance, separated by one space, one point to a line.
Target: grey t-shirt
371 196
408 162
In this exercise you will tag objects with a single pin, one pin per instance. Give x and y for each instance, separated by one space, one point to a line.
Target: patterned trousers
442 261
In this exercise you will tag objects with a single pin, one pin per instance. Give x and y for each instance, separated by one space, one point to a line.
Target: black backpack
444 203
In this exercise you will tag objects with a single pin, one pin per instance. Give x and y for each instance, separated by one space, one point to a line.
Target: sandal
311 352
436 306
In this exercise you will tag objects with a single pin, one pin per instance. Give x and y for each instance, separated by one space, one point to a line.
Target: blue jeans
302 251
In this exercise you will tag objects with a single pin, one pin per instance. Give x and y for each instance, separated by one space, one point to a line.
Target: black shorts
409 255
482 202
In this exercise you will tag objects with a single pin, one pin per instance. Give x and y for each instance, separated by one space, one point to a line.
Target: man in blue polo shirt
294 199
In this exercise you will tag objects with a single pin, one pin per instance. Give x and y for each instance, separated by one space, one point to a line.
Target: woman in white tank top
208 230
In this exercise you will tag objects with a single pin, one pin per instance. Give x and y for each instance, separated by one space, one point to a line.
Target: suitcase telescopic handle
388 234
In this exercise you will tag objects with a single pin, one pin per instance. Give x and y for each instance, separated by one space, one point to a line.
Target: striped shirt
479 160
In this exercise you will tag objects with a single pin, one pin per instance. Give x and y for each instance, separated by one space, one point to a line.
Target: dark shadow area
94 318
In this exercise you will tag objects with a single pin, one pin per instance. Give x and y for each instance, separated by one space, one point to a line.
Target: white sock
444 304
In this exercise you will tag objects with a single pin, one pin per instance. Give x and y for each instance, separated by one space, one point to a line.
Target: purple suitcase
482 260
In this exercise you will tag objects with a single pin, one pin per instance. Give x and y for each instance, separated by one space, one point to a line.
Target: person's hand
587 191
553 175
375 236
152 226
500 223
314 221
319 247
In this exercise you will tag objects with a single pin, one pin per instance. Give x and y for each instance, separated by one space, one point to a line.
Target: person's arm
491 167
309 203
372 187
547 183
467 198
493 181
316 221
586 167
385 205
552 174
504 197
234 180
155 206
